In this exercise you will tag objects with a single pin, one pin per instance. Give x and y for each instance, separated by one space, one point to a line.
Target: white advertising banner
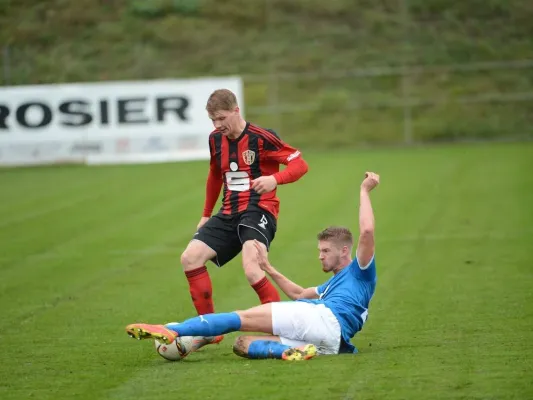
108 122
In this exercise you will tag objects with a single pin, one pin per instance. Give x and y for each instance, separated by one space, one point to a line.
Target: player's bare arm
291 289
366 244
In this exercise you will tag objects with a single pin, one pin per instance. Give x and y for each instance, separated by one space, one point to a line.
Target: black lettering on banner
127 110
175 104
4 113
78 112
69 108
104 114
22 114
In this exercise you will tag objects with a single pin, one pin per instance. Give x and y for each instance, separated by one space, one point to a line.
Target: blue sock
208 325
266 349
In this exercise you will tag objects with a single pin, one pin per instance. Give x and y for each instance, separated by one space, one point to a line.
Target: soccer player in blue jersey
320 320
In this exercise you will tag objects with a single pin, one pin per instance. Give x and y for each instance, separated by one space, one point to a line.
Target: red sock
201 290
266 291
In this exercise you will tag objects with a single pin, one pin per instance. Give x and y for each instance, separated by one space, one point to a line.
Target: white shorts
298 323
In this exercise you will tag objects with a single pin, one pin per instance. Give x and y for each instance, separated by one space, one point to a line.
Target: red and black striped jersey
236 162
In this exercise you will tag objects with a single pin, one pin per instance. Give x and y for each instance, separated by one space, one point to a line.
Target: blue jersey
347 294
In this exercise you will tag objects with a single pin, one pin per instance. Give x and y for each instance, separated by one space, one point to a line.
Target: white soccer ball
177 350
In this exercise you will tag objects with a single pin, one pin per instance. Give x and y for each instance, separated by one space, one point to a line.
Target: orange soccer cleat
214 339
147 331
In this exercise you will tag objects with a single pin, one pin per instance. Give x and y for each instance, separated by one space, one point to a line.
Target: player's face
329 255
227 122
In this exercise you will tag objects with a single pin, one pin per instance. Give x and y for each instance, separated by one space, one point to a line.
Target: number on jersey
238 181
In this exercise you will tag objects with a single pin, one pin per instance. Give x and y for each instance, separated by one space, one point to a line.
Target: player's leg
193 260
256 319
300 322
280 318
259 346
260 227
215 241
263 347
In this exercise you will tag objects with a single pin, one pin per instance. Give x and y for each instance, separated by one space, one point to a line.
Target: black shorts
225 234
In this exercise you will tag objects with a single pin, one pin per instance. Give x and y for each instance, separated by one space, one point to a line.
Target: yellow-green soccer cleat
300 353
147 331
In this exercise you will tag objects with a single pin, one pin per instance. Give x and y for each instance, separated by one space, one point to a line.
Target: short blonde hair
221 100
338 235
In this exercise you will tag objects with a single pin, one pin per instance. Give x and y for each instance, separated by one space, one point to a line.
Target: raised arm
366 245
291 289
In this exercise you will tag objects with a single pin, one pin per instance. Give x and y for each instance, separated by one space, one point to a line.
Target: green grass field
86 250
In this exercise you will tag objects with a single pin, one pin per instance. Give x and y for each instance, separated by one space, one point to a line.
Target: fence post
6 64
407 108
273 81
406 81
273 97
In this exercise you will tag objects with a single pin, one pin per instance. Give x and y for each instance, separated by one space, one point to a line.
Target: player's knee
185 259
245 316
253 273
190 260
240 347
249 263
196 255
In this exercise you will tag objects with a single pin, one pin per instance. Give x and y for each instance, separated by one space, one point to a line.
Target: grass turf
86 250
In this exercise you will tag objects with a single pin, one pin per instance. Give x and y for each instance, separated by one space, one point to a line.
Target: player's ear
345 250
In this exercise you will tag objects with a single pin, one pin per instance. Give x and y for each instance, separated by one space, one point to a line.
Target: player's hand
203 220
370 182
264 184
262 256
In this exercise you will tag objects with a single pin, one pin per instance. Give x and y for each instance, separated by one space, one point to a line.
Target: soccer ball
177 350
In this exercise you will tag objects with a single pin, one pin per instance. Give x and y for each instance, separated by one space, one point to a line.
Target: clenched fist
370 182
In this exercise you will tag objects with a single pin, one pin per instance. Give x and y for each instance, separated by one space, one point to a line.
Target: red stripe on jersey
269 136
224 166
269 201
243 146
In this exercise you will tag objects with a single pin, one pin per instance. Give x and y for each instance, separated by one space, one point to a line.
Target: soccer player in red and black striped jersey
245 162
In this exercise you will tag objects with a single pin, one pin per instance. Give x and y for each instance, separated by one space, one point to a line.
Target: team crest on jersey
248 156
